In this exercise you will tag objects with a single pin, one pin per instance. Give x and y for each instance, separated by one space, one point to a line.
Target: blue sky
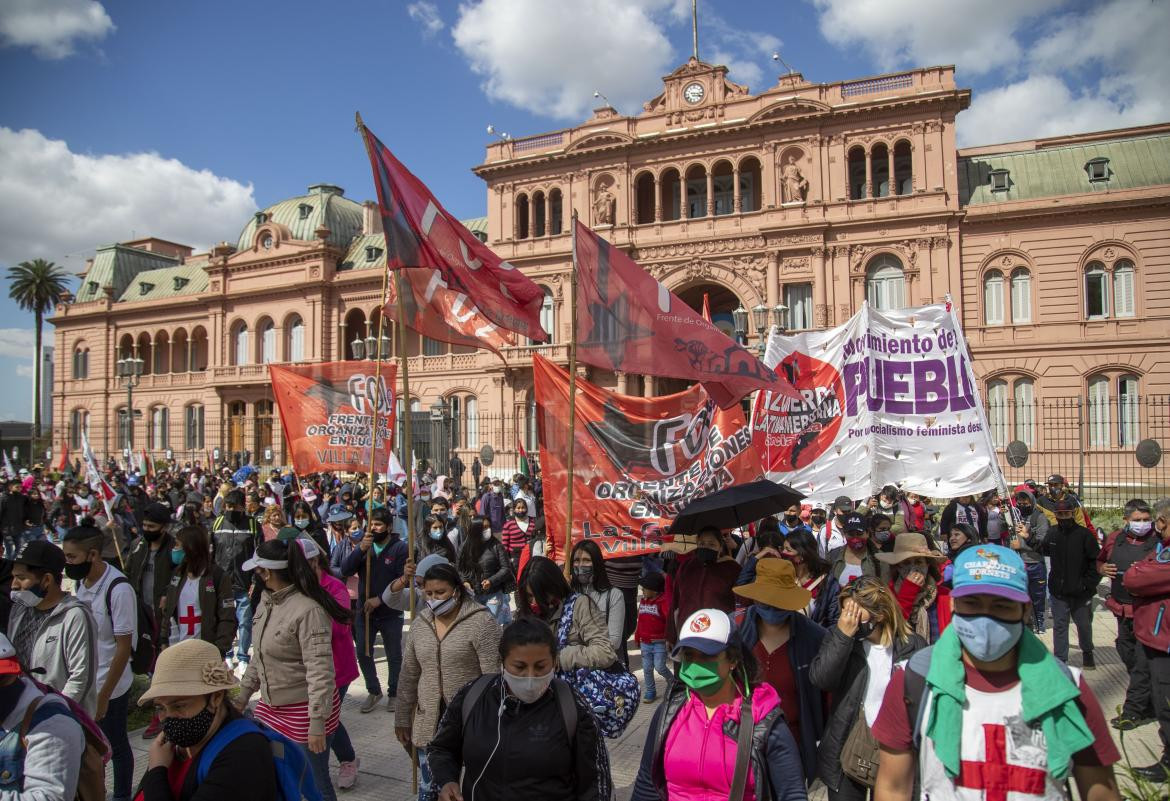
123 118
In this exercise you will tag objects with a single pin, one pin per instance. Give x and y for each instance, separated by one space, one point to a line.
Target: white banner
886 398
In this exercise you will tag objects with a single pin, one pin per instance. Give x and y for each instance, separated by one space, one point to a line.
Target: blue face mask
986 638
774 616
301 522
177 556
436 533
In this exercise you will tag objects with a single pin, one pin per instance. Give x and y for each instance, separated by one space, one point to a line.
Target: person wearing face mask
914 578
1031 529
514 535
115 610
380 555
206 749
453 640
341 543
149 568
543 593
1055 490
234 537
881 531
492 505
199 602
1072 581
433 539
718 687
484 749
1131 544
784 641
52 631
484 565
823 531
590 578
853 668
792 520
703 580
854 559
965 509
1005 716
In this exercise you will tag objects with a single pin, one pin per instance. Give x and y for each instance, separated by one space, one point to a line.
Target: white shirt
829 538
881 666
849 573
188 622
120 618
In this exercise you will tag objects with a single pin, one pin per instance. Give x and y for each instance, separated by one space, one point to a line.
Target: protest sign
326 412
886 398
637 461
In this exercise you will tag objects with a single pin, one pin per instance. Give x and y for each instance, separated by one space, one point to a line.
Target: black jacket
163 568
1073 551
243 769
384 568
13 512
841 672
235 545
217 606
493 566
950 512
536 759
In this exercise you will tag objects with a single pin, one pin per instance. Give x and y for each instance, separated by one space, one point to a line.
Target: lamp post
779 316
739 317
129 370
368 348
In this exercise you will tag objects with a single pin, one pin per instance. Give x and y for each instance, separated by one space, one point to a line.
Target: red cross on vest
995 776
190 620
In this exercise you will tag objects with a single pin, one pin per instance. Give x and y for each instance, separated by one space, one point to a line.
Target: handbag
611 693
859 754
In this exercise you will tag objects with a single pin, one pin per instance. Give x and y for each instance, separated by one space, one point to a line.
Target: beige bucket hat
191 667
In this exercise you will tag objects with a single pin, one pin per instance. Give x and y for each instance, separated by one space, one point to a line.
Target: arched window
1096 291
296 340
696 192
237 421
433 347
885 283
472 410
78 422
81 362
159 428
880 161
453 403
263 439
1123 297
125 428
267 342
750 184
240 353
522 217
193 428
993 298
548 317
856 175
556 206
538 209
722 186
644 198
1024 401
668 195
903 168
162 353
1021 296
1128 409
997 411
1099 412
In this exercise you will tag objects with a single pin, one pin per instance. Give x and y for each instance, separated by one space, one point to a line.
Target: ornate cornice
698 247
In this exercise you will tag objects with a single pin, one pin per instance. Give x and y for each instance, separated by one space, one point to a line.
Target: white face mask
528 688
25 597
441 606
487 535
1140 528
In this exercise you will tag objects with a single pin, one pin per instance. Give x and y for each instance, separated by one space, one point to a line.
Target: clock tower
695 91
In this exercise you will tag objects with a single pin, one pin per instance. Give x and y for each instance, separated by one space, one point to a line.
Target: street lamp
739 317
780 316
358 348
129 370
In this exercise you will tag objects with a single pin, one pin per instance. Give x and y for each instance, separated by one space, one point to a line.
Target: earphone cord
499 737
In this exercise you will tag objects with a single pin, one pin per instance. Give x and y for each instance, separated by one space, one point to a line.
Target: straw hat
681 543
775 585
910 545
191 667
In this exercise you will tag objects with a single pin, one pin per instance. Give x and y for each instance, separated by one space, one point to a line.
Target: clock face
267 243
693 93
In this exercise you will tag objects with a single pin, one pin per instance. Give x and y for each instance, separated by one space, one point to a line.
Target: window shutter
1123 299
993 299
1021 297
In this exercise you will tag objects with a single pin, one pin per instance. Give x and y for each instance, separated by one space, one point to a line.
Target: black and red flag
628 321
461 277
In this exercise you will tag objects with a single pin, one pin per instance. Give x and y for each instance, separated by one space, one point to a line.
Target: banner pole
572 404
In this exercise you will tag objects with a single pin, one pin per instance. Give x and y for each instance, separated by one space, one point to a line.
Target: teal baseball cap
990 570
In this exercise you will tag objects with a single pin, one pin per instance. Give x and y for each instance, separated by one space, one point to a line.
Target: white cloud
426 14
25 370
52 27
17 343
55 202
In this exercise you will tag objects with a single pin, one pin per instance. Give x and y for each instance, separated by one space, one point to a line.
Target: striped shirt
292 720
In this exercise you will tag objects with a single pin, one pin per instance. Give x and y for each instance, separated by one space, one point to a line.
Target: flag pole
374 448
572 403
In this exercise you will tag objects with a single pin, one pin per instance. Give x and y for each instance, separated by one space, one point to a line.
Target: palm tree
35 286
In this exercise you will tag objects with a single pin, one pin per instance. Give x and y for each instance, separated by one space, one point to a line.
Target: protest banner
886 398
637 461
327 413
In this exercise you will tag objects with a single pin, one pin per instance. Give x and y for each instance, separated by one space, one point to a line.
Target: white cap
260 561
707 630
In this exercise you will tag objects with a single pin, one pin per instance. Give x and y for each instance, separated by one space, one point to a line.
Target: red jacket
652 616
1149 582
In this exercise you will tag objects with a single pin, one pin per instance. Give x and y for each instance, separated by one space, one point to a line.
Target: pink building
809 196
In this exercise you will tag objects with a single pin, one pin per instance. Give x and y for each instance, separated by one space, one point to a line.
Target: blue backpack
294 777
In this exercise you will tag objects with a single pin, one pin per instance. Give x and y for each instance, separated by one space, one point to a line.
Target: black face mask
706 556
864 629
152 536
1025 509
188 732
381 537
78 571
792 520
817 520
1067 522
238 518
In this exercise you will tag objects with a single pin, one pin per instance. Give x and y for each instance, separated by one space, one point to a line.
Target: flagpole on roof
572 404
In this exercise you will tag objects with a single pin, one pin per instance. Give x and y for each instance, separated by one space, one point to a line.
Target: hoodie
65 648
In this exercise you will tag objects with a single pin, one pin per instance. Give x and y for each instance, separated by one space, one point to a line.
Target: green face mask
702 677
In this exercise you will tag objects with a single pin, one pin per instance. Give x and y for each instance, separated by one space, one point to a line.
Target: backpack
612 693
145 649
560 687
294 777
91 780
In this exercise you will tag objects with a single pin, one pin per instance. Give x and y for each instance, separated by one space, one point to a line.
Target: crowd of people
886 648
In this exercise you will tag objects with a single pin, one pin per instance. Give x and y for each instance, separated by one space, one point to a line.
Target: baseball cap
1064 505
42 555
990 570
707 631
1055 478
338 514
429 561
843 502
9 664
132 481
854 522
157 513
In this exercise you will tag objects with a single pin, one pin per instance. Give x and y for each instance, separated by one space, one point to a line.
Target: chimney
371 219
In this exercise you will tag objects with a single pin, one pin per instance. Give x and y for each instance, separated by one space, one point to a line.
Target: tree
35 286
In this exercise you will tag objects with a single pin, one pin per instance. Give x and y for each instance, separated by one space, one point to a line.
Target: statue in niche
793 184
603 206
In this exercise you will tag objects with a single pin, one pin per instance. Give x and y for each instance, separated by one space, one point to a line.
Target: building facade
814 197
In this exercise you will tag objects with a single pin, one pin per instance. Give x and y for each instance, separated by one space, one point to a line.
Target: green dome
324 204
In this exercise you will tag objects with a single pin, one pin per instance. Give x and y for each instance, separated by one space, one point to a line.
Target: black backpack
145 650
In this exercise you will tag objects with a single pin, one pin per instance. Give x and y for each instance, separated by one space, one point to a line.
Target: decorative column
622 387
820 278
191 353
736 200
710 194
657 200
868 174
772 284
531 218
548 213
890 181
648 386
682 197
515 219
171 361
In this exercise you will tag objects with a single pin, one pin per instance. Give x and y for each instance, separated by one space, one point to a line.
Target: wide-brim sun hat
775 585
910 545
187 668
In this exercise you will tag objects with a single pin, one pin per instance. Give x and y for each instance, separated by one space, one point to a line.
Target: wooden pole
572 403
374 451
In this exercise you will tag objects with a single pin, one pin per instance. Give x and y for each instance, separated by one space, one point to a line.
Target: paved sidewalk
385 767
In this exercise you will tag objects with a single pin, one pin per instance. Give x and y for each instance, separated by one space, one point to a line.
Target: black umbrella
735 506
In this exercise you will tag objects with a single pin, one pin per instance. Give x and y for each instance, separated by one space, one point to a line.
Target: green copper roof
365 246
116 266
477 225
325 204
167 282
1134 162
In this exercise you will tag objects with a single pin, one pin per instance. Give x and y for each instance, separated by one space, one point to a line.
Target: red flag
628 321
420 233
707 307
63 462
442 313
637 461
